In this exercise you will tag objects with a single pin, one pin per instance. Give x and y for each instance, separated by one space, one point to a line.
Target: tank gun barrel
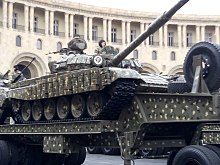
153 27
63 50
52 53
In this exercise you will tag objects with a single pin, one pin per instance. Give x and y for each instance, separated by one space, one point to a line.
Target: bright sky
202 7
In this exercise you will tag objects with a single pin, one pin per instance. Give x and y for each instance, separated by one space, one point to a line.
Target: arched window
154 55
39 44
135 54
59 46
18 41
173 56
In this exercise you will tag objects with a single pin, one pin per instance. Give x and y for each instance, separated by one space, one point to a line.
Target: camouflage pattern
72 82
139 113
84 76
3 95
4 88
106 79
18 76
79 74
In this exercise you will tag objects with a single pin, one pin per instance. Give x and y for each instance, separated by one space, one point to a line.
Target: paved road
98 159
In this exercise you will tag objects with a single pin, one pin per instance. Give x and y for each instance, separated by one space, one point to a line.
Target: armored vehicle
103 100
82 86
86 87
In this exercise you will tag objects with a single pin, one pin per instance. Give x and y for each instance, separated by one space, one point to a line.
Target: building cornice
118 14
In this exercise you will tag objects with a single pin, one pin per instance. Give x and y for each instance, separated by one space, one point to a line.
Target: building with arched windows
33 28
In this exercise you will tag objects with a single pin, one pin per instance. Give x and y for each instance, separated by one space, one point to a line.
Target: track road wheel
210 66
49 109
94 150
95 103
78 107
196 155
37 110
63 108
26 111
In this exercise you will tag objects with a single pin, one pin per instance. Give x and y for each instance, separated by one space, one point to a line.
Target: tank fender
154 79
124 73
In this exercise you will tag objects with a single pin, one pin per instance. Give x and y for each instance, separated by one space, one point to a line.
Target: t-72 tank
86 87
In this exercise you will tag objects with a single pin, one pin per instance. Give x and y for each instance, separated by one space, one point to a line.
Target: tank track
123 93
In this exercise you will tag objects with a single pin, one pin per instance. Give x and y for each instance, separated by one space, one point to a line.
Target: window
56 27
39 44
94 33
114 36
173 56
170 38
35 24
189 39
151 40
18 41
59 46
208 37
133 35
135 54
154 55
14 21
75 28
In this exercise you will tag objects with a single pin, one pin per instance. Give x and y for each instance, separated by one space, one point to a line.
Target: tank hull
97 93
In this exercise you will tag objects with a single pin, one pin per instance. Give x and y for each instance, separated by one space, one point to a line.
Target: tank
87 87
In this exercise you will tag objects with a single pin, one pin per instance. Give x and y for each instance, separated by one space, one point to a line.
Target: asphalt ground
100 159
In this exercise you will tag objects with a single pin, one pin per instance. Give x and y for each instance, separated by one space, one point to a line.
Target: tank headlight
98 60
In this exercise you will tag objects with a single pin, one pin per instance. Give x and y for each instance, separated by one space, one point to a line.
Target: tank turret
73 57
77 44
87 87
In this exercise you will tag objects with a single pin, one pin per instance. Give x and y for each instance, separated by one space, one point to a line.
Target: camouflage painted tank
85 87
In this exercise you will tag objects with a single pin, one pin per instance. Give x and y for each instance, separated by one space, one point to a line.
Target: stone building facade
32 28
